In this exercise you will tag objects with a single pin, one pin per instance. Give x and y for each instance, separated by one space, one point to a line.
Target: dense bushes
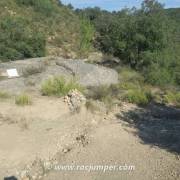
18 41
145 39
40 25
130 34
158 76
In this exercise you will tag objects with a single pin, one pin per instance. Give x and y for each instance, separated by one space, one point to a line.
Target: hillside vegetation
146 39
35 28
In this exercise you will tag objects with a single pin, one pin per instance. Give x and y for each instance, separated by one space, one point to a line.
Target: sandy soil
47 131
38 131
112 145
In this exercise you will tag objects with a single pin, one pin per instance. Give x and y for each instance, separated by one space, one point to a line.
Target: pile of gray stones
75 100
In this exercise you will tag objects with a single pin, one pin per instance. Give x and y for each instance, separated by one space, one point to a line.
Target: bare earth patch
47 131
37 131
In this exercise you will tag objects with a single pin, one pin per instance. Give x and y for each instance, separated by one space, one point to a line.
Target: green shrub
158 76
18 41
105 94
23 100
129 85
172 98
87 34
127 74
99 93
177 72
7 53
33 70
4 95
58 86
138 97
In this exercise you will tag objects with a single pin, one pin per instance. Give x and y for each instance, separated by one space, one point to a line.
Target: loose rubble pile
75 100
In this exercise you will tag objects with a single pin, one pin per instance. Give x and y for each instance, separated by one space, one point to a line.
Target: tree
70 6
131 34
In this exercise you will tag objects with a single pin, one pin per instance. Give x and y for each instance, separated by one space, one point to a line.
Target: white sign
12 73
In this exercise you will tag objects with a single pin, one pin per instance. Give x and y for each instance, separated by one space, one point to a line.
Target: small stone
66 150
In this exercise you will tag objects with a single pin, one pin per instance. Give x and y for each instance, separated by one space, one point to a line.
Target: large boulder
90 74
34 71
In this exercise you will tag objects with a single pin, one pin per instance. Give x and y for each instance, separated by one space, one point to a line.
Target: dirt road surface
46 131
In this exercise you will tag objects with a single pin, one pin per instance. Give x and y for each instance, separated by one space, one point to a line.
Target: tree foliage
18 41
143 38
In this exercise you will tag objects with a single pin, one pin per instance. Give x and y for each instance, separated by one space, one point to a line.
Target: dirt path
110 145
47 132
36 132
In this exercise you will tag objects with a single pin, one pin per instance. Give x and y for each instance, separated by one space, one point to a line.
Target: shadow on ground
156 125
10 178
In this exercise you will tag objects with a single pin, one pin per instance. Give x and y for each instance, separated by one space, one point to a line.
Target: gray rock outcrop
34 71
